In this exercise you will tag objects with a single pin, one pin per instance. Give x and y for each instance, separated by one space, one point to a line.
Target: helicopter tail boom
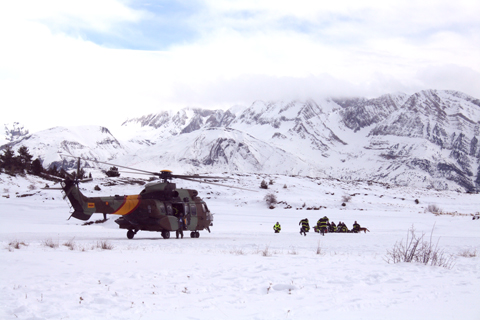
83 210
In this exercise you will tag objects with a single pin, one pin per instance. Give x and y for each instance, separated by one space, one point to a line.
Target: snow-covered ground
241 270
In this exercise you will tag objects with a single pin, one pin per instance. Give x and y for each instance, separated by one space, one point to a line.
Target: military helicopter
160 206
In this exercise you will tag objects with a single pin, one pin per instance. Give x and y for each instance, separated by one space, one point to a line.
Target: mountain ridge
428 139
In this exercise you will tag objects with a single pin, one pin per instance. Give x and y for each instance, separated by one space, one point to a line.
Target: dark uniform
323 227
333 227
181 223
342 227
356 227
277 227
317 227
305 226
179 231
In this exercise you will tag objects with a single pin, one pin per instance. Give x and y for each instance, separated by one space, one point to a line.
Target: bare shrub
453 214
15 244
104 245
271 199
433 208
346 198
293 251
50 243
266 252
32 187
70 244
468 253
238 252
319 248
263 184
417 249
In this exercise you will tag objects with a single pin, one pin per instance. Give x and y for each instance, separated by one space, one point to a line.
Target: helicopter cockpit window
193 209
169 209
205 208
161 207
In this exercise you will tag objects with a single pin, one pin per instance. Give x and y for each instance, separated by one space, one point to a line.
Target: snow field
242 269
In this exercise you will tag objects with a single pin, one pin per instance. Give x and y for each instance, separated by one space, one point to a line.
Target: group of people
323 226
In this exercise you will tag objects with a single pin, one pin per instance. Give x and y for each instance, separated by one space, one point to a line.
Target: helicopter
160 206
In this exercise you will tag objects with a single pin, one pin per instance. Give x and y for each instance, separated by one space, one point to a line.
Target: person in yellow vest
305 226
277 227
356 227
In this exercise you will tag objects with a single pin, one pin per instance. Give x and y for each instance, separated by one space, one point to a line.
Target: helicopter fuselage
159 207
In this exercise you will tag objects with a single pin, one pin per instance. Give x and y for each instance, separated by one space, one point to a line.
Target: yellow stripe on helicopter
129 204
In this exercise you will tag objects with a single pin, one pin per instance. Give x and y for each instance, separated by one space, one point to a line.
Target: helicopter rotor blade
218 184
49 176
166 174
147 174
67 192
116 165
198 177
78 168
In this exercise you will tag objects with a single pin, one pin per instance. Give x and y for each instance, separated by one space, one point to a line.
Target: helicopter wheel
130 234
194 234
166 234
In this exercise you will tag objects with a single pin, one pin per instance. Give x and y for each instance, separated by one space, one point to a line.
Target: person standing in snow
322 225
277 227
304 226
179 231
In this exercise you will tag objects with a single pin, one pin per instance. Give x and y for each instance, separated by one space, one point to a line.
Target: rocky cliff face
446 119
360 113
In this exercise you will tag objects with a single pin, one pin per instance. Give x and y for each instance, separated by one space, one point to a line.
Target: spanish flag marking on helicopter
129 204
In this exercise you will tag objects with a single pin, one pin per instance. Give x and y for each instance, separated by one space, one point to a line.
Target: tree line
21 163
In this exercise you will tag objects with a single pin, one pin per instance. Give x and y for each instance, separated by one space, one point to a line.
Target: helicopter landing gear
166 234
194 234
131 233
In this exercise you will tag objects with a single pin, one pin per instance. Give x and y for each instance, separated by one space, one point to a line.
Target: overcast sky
103 61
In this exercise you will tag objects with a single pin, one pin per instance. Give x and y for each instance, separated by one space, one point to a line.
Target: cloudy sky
102 61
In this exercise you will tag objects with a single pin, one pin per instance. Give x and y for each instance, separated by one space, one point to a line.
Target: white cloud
246 50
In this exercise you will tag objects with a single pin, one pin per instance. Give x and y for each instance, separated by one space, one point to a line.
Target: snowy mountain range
425 140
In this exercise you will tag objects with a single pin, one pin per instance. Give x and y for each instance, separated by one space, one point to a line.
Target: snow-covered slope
92 142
